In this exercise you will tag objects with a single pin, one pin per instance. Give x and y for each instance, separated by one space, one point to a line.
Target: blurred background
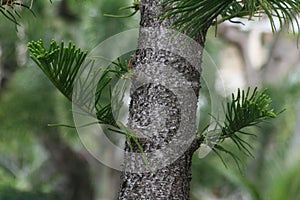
42 162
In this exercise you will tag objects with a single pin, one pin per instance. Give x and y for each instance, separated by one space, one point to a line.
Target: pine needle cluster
246 109
193 16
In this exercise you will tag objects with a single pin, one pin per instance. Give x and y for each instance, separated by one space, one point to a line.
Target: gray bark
162 112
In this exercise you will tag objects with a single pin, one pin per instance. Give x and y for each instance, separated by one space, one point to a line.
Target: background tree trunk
155 111
71 165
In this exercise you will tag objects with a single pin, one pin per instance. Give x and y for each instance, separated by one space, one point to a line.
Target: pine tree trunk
163 118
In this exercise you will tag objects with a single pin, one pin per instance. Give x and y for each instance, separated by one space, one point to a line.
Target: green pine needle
59 62
62 65
8 9
135 7
245 109
193 16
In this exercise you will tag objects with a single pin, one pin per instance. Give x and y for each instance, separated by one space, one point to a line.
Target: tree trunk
72 166
8 62
162 113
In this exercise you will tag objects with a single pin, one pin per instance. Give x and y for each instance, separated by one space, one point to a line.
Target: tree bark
164 120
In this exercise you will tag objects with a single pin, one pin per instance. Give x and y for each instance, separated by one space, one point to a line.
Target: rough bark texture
156 114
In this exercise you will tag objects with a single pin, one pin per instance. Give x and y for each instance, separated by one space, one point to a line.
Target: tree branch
241 41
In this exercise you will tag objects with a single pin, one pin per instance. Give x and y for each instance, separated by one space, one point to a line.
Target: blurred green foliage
10 193
29 102
274 171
